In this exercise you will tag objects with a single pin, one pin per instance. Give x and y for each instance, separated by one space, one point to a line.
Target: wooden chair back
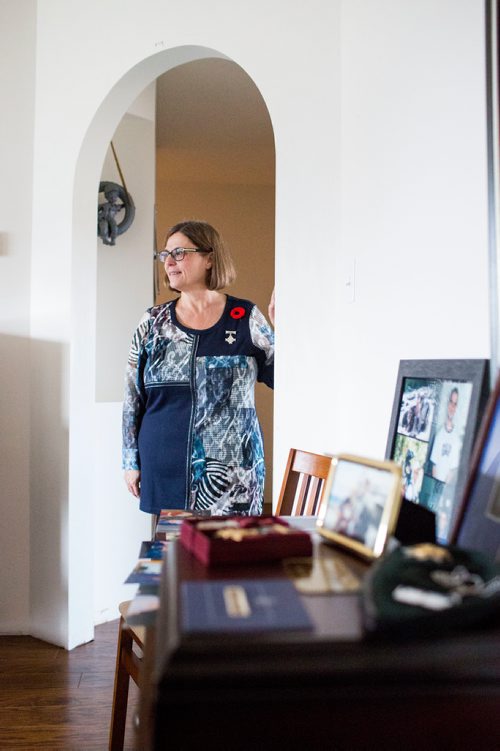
128 662
303 484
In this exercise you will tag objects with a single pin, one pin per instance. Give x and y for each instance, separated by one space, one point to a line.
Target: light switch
349 281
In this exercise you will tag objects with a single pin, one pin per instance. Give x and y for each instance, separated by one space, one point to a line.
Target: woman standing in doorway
191 436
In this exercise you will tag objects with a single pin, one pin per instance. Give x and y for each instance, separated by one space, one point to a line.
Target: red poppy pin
237 312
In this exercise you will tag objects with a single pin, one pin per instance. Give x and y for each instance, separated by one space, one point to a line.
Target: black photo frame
435 416
478 524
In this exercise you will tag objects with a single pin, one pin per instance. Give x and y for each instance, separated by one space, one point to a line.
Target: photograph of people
369 508
356 501
417 409
411 454
445 452
191 435
344 517
410 485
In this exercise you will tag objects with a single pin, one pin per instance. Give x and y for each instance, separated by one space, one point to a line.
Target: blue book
145 571
242 605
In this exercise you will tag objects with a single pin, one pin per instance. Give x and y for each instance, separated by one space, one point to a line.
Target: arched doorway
92 512
215 160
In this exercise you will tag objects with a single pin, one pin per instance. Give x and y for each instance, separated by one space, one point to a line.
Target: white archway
83 494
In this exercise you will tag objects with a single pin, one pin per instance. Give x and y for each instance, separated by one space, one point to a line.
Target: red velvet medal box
243 539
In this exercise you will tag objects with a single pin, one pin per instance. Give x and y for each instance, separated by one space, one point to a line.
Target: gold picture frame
362 501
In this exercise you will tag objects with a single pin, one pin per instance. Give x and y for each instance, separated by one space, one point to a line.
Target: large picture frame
478 524
362 498
435 415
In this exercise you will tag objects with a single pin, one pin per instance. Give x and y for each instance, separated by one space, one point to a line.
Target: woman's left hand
271 309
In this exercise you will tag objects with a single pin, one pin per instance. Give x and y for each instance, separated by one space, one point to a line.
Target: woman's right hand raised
271 308
133 481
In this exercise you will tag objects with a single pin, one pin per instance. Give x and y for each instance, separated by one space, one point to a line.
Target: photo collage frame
434 420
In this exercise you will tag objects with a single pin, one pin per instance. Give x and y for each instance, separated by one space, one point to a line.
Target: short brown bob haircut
205 237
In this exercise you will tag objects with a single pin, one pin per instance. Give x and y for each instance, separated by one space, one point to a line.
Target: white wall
125 270
411 215
124 290
17 85
379 120
414 202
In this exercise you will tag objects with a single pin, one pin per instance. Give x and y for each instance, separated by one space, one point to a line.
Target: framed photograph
478 524
362 500
436 411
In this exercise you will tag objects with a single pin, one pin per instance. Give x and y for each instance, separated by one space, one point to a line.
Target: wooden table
325 689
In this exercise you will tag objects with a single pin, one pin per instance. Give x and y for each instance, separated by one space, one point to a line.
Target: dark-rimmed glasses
177 253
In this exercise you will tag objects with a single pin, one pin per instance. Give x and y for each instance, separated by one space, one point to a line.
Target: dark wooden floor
54 699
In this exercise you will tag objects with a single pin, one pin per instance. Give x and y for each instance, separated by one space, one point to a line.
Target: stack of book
147 571
169 523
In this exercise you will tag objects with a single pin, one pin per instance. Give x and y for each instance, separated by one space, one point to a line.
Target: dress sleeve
263 338
134 402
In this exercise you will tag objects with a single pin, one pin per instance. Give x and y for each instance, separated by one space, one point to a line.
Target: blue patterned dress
189 419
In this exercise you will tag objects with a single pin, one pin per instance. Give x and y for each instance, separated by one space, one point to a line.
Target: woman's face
191 272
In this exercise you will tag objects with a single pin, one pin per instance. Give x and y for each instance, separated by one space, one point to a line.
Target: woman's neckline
189 329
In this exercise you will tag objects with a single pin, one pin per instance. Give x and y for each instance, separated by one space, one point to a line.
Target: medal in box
243 539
